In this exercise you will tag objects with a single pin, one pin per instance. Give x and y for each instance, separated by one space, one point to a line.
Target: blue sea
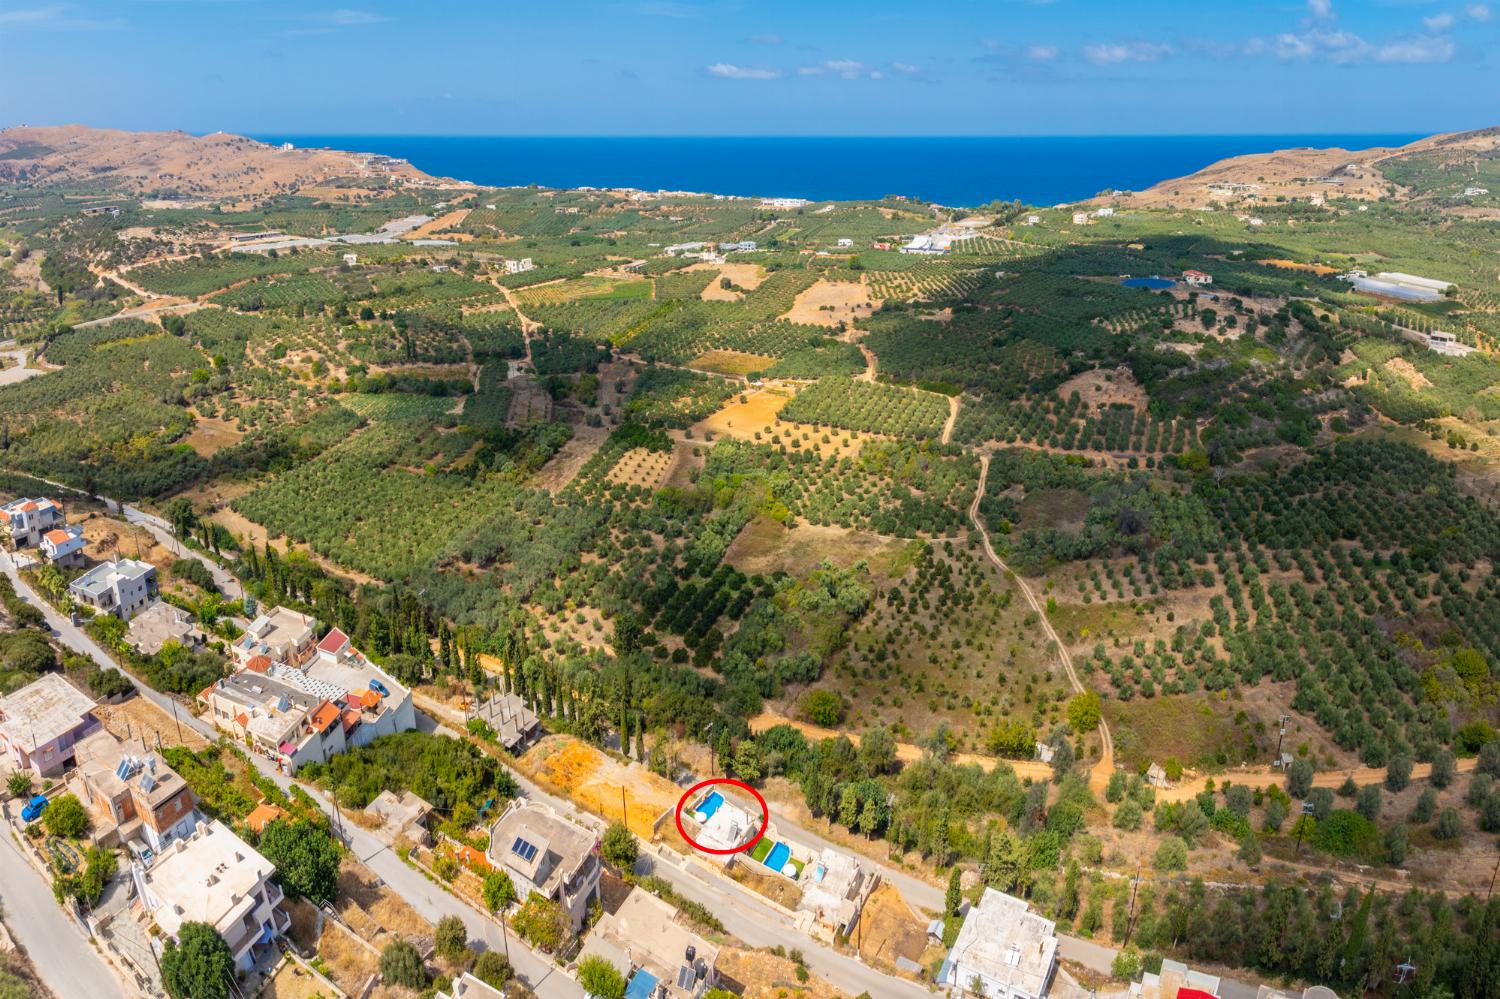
1039 170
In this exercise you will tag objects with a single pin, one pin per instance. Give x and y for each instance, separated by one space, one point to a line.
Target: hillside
1302 173
176 164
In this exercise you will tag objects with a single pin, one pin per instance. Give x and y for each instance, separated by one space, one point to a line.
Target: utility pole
1277 761
180 740
1307 809
624 809
1135 884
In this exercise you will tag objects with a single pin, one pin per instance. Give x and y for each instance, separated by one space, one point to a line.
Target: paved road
759 925
430 901
63 957
162 532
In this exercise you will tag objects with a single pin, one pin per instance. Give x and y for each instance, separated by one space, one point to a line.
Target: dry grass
1407 372
294 981
563 466
767 546
600 783
141 718
742 419
763 975
746 276
208 436
1105 388
1292 265
731 362
828 303
442 224
642 467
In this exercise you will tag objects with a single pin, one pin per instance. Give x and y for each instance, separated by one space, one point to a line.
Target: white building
845 242
1197 278
1032 219
784 202
466 986
121 588
1003 950
1080 218
1447 344
1104 213
547 854
214 877
1476 192
26 520
280 634
351 259
835 886
519 266
925 244
63 546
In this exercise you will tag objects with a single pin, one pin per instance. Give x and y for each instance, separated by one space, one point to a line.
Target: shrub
1396 844
1345 833
18 784
1299 778
542 922
1398 772
1368 802
451 938
1128 816
1426 805
1172 855
1442 768
1084 711
1449 824
1126 965
400 964
492 968
618 847
66 817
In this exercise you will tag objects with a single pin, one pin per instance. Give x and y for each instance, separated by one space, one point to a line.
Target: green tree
401 964
600 978
1249 852
306 859
1442 768
1367 802
954 897
1449 824
1084 711
1396 844
451 938
499 890
1299 778
198 964
822 707
1126 965
66 817
1398 773
619 848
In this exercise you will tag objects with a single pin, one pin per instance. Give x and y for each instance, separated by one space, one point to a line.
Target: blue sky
718 67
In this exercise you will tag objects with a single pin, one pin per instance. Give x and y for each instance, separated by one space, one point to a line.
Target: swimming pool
1153 282
778 857
708 806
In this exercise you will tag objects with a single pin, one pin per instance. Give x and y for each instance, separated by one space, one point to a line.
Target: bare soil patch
209 435
600 783
139 718
1407 372
572 456
1293 265
762 975
829 303
442 224
767 546
888 928
742 276
742 419
1099 388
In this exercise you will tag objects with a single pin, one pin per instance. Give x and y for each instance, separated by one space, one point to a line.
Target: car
34 808
380 688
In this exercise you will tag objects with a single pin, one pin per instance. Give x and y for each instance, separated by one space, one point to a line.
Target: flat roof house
658 956
161 623
135 793
466 986
511 720
63 546
1003 951
214 877
26 520
835 886
122 588
1197 278
41 724
547 854
283 635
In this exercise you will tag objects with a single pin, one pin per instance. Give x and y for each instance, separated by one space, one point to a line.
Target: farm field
986 562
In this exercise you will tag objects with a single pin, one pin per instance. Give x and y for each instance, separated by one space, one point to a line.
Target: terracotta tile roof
57 536
324 715
263 815
365 698
259 664
351 719
333 642
243 719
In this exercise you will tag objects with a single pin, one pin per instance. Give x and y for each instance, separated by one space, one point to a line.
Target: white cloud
1321 9
352 17
1109 54
54 18
1439 22
729 71
850 69
1419 49
1042 53
905 67
1478 11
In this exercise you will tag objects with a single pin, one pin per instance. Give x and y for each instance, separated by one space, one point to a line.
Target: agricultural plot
201 275
666 397
585 288
869 406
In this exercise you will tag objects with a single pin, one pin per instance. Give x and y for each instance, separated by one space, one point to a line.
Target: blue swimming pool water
778 857
1154 283
709 805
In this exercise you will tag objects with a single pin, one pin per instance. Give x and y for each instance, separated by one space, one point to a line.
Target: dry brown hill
1298 173
176 164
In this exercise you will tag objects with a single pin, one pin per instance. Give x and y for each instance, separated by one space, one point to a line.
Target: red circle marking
765 815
